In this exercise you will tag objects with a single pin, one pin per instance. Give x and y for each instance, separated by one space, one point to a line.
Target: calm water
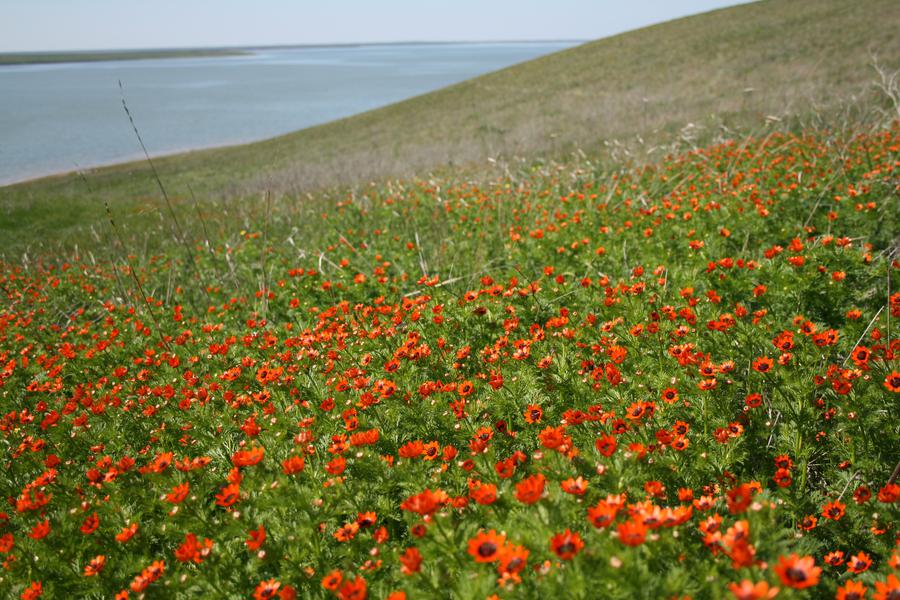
61 117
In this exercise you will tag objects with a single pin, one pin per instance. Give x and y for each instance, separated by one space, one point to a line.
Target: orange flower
256 539
248 458
292 464
889 589
332 581
512 559
747 590
485 547
834 510
178 493
530 489
576 487
127 533
566 544
632 533
892 382
95 566
411 561
228 495
859 563
602 514
852 590
353 590
763 364
796 572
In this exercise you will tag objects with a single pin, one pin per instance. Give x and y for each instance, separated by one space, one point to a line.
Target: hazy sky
29 25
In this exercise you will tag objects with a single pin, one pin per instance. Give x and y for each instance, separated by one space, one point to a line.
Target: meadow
673 380
659 370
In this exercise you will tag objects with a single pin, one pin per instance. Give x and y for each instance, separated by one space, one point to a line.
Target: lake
62 117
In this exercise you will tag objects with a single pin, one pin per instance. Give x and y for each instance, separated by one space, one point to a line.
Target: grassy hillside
733 67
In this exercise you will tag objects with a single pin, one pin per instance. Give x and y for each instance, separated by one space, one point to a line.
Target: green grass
733 67
33 58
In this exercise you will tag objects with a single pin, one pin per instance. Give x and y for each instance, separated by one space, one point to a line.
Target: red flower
178 493
892 382
566 544
859 563
530 489
94 566
834 510
602 514
256 539
353 590
796 572
411 561
90 524
485 547
889 589
576 487
763 364
632 533
228 495
747 590
852 590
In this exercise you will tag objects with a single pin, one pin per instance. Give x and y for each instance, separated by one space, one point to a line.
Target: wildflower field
571 381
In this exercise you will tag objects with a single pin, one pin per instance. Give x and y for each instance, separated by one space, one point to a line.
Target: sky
51 25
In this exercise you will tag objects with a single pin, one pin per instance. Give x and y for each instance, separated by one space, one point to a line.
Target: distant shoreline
40 58
78 56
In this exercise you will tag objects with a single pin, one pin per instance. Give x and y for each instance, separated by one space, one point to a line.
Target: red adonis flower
632 533
228 495
533 414
530 489
411 561
272 588
889 589
576 487
566 544
834 510
256 539
95 566
892 382
90 524
852 590
248 458
859 563
747 590
603 514
763 364
606 445
889 494
293 464
796 572
178 493
33 591
482 493
353 590
424 503
192 550
739 498
332 581
127 533
40 531
485 547
512 560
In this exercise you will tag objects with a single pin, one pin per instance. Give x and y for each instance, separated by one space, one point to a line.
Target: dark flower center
567 548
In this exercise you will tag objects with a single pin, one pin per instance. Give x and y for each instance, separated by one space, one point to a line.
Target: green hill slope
733 66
